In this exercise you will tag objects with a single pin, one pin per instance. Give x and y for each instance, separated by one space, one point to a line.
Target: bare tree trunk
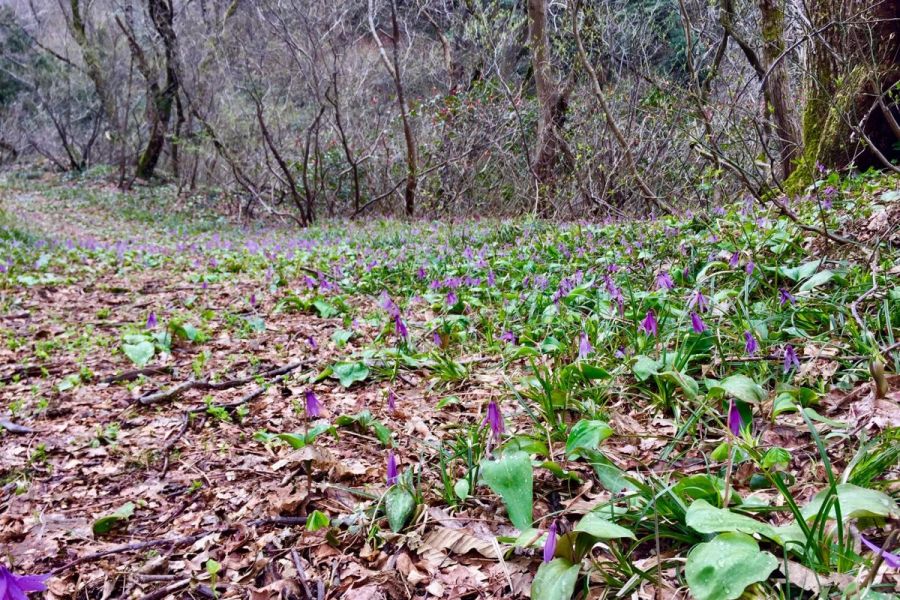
552 101
160 100
409 193
779 97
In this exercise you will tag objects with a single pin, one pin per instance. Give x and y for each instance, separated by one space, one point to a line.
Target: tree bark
779 98
552 101
160 99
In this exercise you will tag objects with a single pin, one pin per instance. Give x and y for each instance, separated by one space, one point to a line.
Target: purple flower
452 299
749 268
14 587
151 320
389 305
785 296
698 300
664 281
735 423
508 336
790 358
400 327
494 419
253 300
892 560
392 474
620 353
751 346
735 259
436 338
649 325
550 543
584 346
697 323
312 343
312 404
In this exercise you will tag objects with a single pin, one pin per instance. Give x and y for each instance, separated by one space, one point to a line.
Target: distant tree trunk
552 100
779 98
160 100
854 61
393 67
90 54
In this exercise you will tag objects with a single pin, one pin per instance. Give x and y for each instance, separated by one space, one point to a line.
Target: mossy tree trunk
852 62
780 100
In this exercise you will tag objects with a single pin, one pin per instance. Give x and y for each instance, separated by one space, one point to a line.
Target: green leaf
340 337
589 371
703 517
741 387
461 489
595 525
105 524
723 568
349 373
776 457
325 310
644 367
140 353
554 580
317 520
820 278
399 505
586 434
512 477
701 486
688 384
800 272
855 502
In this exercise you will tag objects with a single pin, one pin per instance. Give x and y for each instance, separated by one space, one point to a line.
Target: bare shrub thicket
333 108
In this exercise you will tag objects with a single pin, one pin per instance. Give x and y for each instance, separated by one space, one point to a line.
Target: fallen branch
135 373
176 542
14 428
199 384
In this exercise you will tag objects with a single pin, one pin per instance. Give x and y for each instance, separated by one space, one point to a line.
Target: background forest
307 108
462 299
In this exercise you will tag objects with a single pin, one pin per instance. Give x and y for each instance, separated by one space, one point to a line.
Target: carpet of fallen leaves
203 488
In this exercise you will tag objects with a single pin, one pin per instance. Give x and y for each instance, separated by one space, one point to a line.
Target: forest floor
156 437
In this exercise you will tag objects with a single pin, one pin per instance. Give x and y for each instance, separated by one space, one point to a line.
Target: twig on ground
195 384
14 428
135 373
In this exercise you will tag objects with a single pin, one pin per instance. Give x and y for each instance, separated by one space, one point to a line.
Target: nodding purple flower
892 560
790 359
749 268
452 299
697 323
735 423
436 338
664 281
649 325
391 401
735 259
151 320
14 587
750 346
494 419
491 278
400 327
312 342
698 300
550 544
312 404
392 475
786 297
508 336
253 300
389 305
420 273
620 353
584 346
